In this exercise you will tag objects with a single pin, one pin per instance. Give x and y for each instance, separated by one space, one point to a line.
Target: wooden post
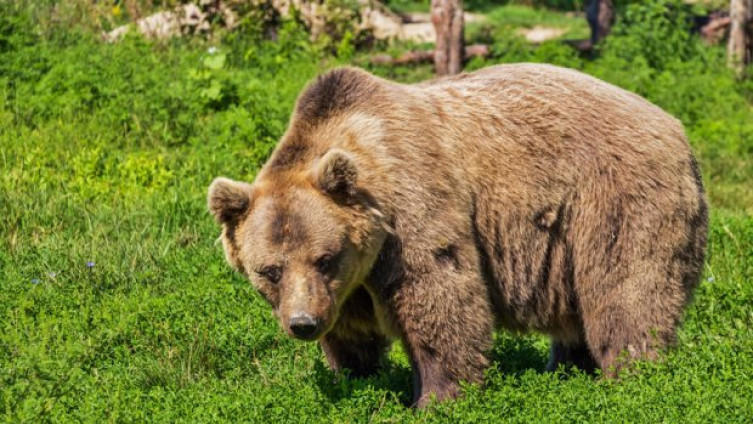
740 35
447 17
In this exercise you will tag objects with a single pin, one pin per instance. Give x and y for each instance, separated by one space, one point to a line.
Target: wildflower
212 50
710 279
35 281
52 274
90 264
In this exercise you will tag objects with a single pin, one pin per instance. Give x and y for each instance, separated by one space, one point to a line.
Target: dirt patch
539 34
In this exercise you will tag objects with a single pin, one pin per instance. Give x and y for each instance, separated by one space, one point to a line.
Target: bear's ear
228 199
336 174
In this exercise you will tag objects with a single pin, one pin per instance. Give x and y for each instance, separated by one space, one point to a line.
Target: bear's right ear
228 199
336 174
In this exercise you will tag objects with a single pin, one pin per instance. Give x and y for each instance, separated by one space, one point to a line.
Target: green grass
409 6
106 152
513 17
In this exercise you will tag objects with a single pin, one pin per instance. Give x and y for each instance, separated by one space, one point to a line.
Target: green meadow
116 304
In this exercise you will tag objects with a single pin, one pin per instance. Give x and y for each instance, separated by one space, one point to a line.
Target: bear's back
559 100
540 122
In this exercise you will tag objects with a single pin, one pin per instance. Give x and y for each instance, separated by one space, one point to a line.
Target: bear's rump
545 262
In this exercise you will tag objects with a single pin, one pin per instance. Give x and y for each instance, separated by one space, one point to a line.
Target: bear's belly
529 270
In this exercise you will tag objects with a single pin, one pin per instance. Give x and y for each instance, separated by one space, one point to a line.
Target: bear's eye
272 273
325 264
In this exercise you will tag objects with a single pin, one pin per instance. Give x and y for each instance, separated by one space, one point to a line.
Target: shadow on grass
391 378
516 355
509 355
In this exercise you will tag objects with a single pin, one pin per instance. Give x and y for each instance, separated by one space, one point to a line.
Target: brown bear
527 197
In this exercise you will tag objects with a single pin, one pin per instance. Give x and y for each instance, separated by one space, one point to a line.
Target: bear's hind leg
633 278
617 334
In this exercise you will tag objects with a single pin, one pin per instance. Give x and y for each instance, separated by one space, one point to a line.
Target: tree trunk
447 17
740 38
600 15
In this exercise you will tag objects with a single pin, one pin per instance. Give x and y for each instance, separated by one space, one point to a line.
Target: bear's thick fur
526 197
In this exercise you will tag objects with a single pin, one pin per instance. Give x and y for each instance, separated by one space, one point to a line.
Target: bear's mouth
306 337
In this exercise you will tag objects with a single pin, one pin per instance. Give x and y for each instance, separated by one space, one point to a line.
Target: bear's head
306 238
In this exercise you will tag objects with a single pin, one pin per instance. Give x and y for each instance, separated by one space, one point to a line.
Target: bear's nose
303 326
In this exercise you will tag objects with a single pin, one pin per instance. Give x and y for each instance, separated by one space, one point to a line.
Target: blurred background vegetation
115 303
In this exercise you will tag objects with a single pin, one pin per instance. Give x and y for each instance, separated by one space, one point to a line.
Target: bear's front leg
359 353
442 308
355 343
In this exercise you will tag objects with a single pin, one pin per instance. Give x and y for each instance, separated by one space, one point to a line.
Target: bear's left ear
336 174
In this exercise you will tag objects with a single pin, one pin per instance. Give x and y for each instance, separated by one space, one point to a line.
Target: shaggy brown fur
527 197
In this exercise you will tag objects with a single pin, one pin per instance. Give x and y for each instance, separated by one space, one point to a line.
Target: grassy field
116 303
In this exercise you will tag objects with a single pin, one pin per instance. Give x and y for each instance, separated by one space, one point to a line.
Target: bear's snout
303 326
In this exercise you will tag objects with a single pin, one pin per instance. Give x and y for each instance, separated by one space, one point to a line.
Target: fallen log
713 32
420 56
712 28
